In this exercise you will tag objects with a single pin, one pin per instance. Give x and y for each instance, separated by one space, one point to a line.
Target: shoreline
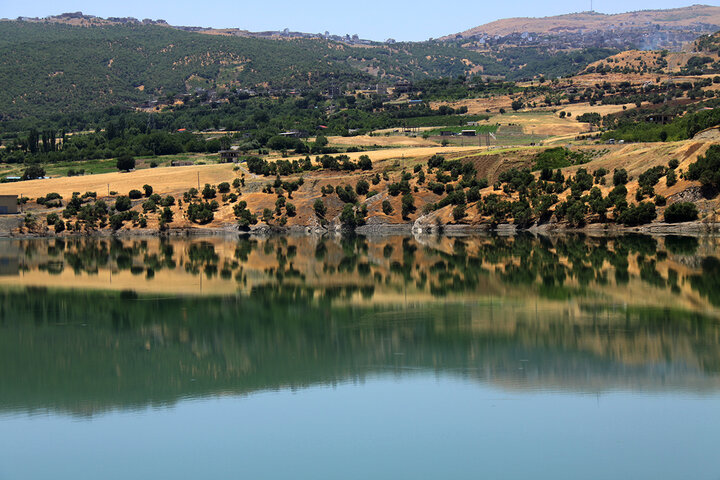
696 228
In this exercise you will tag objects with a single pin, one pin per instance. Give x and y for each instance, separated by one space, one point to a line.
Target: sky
371 19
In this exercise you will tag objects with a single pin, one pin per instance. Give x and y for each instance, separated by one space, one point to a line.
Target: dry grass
163 179
577 109
382 141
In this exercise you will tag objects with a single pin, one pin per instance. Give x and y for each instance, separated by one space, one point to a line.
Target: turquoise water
514 358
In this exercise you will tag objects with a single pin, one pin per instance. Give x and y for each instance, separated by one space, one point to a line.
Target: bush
223 187
32 172
123 203
362 187
168 201
125 163
290 209
620 177
201 213
148 190
365 163
458 212
347 217
707 171
408 205
59 225
319 207
346 194
638 214
681 212
208 192
671 178
135 194
387 207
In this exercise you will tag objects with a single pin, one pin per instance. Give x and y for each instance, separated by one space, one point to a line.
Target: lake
349 357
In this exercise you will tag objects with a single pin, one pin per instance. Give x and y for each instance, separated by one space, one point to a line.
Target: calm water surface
485 357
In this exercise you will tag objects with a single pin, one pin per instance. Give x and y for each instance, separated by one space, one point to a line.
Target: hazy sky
373 19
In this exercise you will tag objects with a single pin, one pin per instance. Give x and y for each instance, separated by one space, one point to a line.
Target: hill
61 68
647 29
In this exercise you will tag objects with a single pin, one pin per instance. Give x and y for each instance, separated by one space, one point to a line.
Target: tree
365 163
707 170
681 212
208 192
148 190
123 203
319 207
387 207
125 163
166 216
620 177
200 212
408 205
362 187
347 217
135 194
32 172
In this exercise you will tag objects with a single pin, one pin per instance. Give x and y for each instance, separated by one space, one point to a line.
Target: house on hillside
8 204
228 156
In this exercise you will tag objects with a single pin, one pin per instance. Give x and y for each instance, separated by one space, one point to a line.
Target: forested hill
60 68
53 69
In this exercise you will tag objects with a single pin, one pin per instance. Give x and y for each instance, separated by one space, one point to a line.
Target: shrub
200 212
681 212
59 225
208 192
168 201
362 187
148 190
135 194
408 205
32 172
290 209
707 170
347 217
123 204
223 187
52 218
166 216
346 194
671 178
125 163
365 163
638 214
387 207
458 212
319 207
149 206
620 177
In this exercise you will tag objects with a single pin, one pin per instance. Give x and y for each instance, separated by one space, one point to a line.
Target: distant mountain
647 29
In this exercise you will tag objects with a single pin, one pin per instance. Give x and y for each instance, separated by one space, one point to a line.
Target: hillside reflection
91 325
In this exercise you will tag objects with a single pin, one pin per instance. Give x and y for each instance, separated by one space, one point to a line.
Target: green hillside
49 69
60 68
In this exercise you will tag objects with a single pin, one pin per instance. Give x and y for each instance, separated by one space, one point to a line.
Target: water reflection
667 272
141 322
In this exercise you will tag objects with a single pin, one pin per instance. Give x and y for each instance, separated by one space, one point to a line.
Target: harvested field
577 109
539 123
382 141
